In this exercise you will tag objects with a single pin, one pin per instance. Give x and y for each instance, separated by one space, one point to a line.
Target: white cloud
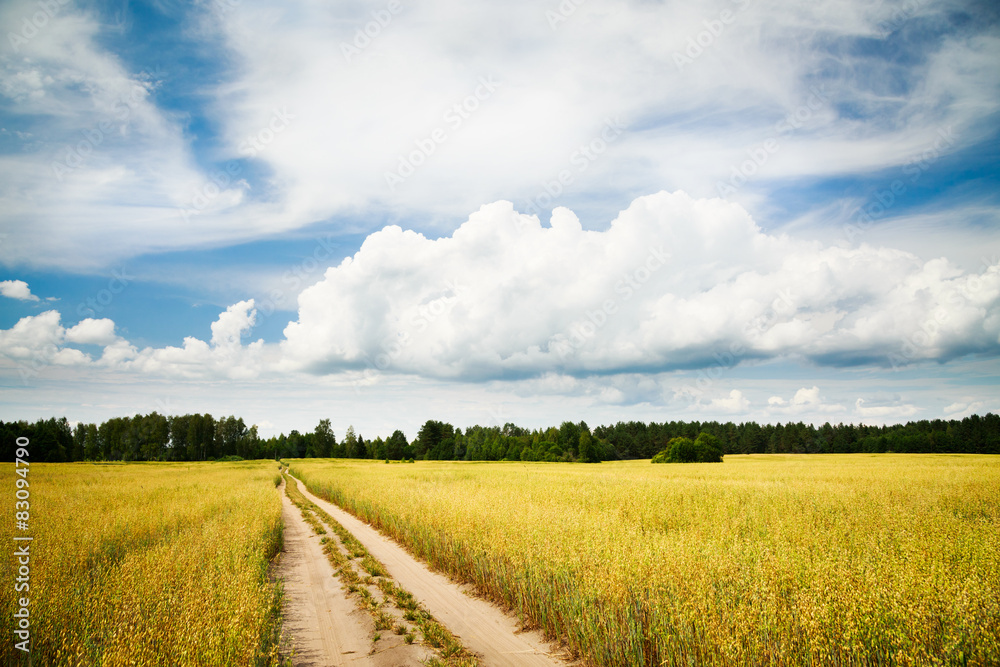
965 408
238 319
883 410
33 337
559 87
674 282
107 171
92 332
223 357
805 401
39 341
17 289
735 403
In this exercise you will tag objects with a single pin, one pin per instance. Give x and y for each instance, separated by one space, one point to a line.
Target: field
776 560
150 564
761 560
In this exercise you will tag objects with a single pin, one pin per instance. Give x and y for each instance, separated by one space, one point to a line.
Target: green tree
201 437
588 453
229 436
297 445
351 444
79 438
435 441
378 449
323 441
569 436
154 431
396 445
91 444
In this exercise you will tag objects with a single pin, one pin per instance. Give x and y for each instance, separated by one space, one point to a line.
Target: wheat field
763 560
150 564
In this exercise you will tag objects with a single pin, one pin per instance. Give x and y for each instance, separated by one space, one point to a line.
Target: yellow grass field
149 564
762 560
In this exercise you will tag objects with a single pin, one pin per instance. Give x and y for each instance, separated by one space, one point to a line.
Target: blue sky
382 213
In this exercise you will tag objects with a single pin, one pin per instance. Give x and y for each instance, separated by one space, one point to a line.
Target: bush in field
678 450
706 448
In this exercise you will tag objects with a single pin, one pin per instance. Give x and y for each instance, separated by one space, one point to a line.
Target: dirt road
322 626
482 627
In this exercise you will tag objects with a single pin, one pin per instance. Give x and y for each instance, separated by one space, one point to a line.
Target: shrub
707 448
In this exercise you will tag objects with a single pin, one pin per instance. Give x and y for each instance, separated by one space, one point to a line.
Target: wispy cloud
121 175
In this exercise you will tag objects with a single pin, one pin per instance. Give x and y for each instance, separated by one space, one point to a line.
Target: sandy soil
482 627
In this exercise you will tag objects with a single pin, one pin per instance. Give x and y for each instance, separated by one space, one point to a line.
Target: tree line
199 437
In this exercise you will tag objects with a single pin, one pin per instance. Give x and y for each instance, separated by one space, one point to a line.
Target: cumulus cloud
735 403
35 336
17 289
41 340
233 324
92 332
673 283
224 356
